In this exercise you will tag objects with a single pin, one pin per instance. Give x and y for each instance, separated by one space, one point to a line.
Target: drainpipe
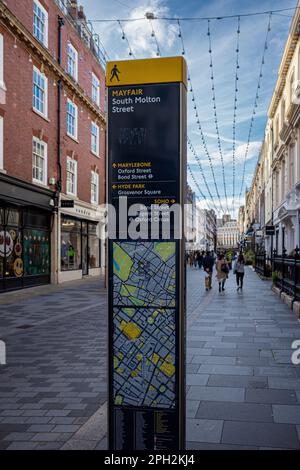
60 25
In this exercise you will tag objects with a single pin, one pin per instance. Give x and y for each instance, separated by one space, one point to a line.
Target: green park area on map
144 274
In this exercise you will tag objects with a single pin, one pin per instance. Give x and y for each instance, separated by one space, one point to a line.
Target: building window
70 244
1 144
291 87
39 161
80 247
94 188
2 84
94 247
40 92
291 167
72 62
72 119
95 89
95 138
282 112
40 23
71 177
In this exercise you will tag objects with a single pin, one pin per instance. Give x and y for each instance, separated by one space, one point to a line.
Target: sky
223 35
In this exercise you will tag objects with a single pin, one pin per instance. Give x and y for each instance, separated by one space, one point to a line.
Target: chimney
73 9
81 14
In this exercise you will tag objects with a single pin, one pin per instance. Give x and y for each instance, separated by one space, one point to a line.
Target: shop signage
67 204
270 230
146 165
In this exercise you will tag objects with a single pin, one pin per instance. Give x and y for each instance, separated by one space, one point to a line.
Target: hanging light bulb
30 58
15 44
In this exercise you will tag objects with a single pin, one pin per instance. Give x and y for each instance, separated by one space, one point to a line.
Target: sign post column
146 178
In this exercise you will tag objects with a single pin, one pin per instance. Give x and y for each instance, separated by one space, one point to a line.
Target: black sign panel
270 230
67 204
144 145
146 371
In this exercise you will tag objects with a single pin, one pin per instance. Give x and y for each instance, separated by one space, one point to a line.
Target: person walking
208 265
222 272
195 259
200 259
239 271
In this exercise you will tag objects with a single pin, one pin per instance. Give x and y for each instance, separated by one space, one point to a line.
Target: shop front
81 247
25 235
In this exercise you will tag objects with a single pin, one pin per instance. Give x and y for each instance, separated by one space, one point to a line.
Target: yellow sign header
146 71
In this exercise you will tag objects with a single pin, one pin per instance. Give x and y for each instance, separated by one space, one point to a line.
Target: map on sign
144 359
144 274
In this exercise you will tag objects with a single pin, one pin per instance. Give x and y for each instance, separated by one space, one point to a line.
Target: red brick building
52 143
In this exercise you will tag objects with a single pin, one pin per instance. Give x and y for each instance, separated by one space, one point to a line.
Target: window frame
45 91
97 88
75 136
97 151
74 162
45 160
46 32
74 59
2 82
94 174
1 143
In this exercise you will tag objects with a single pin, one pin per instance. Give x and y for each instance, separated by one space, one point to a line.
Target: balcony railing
85 31
284 269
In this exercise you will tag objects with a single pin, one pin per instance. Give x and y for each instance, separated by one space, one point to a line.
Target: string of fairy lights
205 156
125 38
192 149
235 107
198 123
153 35
214 102
255 106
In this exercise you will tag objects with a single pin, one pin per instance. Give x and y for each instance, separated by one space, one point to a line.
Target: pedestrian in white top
239 271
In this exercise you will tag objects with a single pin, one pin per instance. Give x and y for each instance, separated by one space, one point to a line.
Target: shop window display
79 245
94 247
11 262
70 244
36 252
24 250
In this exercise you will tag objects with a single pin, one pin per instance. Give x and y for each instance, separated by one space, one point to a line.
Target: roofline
285 62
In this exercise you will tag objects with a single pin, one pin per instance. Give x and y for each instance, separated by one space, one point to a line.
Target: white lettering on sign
132 101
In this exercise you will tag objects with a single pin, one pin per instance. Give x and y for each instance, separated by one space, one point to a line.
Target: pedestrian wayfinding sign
146 158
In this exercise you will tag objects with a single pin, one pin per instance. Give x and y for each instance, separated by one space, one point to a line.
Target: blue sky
223 36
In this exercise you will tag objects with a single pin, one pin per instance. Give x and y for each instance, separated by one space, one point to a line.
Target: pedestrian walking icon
115 73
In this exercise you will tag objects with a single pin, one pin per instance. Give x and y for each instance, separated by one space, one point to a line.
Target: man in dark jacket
208 265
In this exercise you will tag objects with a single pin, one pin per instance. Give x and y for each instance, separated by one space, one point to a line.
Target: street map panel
144 357
144 274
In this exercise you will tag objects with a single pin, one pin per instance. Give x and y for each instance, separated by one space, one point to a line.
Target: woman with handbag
239 271
222 272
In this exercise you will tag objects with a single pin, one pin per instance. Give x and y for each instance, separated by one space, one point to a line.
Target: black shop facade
26 221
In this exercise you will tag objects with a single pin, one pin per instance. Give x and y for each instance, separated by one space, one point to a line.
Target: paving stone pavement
55 377
242 390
